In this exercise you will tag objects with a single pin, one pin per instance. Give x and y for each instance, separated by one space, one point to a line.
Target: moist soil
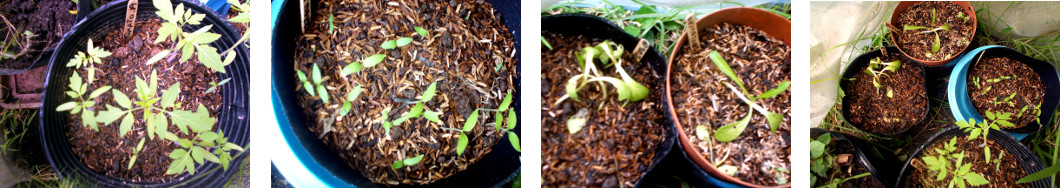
462 56
1004 174
701 98
851 168
48 19
1022 88
879 113
616 147
918 45
104 151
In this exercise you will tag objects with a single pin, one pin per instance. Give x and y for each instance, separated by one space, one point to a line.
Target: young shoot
88 58
407 162
608 53
473 119
315 85
731 131
187 44
214 85
960 172
81 104
931 29
877 68
417 111
982 129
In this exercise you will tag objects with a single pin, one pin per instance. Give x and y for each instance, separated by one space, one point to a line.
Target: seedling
350 97
82 105
316 86
422 32
214 85
545 43
993 121
877 68
331 23
187 44
938 43
960 172
24 46
729 132
822 160
407 162
417 111
473 119
88 58
608 53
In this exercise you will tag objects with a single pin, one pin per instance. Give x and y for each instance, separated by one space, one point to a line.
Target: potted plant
884 93
994 80
972 154
30 31
932 32
734 81
115 117
602 118
398 93
842 160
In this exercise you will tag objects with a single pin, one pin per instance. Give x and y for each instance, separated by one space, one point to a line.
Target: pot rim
760 19
904 5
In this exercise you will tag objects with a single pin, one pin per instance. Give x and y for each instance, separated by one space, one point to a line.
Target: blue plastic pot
961 104
305 161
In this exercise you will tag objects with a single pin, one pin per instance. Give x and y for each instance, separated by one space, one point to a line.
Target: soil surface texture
104 151
701 98
617 145
1000 173
851 168
468 52
48 19
1004 85
918 42
900 103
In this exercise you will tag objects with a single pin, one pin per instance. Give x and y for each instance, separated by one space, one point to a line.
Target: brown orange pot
904 5
772 24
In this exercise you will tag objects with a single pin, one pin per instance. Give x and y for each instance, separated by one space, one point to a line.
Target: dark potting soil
48 19
701 98
617 145
462 56
918 44
852 167
999 174
1004 85
105 151
880 113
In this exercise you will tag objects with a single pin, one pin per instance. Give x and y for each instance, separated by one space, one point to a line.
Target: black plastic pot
877 160
233 118
494 169
46 54
858 65
593 27
1012 147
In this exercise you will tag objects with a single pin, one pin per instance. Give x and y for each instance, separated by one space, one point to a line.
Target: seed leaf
729 132
316 74
373 60
351 68
432 116
506 102
471 121
421 31
389 44
499 117
577 122
323 93
397 164
514 139
416 111
414 160
429 93
403 41
935 46
512 119
461 144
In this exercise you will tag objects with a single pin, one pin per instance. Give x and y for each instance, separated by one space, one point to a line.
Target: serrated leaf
177 153
461 143
169 96
177 166
208 136
403 41
210 157
413 160
66 106
88 118
471 121
506 102
208 57
975 179
198 153
389 44
429 93
431 116
198 121
121 99
729 132
513 119
514 140
165 9
373 60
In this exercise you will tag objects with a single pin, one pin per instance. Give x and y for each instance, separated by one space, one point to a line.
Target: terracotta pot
772 24
904 5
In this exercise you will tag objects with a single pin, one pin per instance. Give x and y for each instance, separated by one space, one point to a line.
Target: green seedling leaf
936 45
703 132
414 160
775 91
577 122
514 140
416 111
309 88
816 149
723 66
331 23
499 117
373 60
353 67
729 132
389 44
198 121
1044 173
461 144
397 164
158 57
506 102
471 121
975 179
401 42
431 116
624 92
572 87
169 96
513 119
421 31
316 74
429 93
66 106
301 75
323 94
545 43
352 95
